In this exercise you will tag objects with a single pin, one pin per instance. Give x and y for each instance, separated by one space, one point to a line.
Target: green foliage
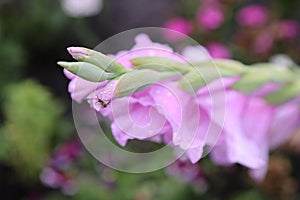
11 57
249 195
127 187
32 116
3 145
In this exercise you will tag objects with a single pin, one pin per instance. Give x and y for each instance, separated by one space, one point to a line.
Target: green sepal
198 78
205 72
256 77
160 64
286 93
137 80
229 67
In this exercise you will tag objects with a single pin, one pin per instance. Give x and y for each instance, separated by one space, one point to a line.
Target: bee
103 103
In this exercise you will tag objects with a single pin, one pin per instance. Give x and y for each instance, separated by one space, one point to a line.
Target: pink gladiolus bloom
163 112
210 17
180 25
247 138
155 113
218 50
252 16
288 29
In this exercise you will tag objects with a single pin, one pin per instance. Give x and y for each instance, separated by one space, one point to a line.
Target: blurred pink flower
55 179
181 25
184 171
217 50
54 175
210 17
264 42
65 155
252 16
288 29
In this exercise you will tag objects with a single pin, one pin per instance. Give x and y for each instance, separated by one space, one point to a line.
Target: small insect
103 103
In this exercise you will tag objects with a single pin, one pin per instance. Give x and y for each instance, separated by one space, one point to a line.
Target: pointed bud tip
78 52
63 64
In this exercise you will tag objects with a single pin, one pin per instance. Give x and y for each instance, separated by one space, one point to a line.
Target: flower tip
78 52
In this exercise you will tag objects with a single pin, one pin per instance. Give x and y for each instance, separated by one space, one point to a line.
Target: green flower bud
96 58
86 71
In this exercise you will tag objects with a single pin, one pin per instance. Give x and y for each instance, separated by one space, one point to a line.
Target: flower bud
96 58
86 71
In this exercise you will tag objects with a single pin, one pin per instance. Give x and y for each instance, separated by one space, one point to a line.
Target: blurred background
41 156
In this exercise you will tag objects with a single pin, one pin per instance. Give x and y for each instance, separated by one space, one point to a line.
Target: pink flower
180 25
157 113
80 88
252 16
55 175
55 179
65 155
288 29
263 42
186 172
218 50
210 17
163 112
247 138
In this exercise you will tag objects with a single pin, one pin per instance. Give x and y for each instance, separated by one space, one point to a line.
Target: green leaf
139 79
248 195
86 71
